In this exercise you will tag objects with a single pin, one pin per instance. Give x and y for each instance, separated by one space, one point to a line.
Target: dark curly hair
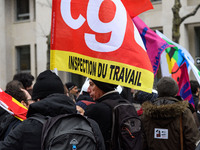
25 78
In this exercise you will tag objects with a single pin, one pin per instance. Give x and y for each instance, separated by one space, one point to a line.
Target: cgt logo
116 27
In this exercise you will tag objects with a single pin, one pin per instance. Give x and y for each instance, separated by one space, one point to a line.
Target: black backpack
126 132
70 132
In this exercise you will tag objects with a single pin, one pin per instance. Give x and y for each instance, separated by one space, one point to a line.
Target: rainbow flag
12 106
173 58
153 43
98 39
174 63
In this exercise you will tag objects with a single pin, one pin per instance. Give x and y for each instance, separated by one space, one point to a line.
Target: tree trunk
176 21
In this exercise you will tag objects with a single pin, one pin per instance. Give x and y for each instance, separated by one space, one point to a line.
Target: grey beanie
167 86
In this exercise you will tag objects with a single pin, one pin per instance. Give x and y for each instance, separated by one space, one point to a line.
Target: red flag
12 106
184 85
98 39
136 7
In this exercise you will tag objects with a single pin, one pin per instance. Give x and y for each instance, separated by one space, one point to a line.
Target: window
197 43
197 34
23 59
22 9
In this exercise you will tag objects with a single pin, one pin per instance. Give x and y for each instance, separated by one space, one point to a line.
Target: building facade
25 25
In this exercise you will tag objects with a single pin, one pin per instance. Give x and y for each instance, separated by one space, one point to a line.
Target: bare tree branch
48 4
177 20
190 14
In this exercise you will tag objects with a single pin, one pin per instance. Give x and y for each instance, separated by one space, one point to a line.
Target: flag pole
55 70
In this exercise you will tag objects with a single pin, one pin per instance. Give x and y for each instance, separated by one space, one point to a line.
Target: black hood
53 105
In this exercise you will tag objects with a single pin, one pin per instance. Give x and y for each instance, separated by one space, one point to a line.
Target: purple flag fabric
154 44
184 85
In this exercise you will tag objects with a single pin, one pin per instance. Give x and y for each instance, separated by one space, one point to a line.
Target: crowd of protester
166 118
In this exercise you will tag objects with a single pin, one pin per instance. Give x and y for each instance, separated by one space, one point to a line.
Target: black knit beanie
47 83
167 86
106 87
70 85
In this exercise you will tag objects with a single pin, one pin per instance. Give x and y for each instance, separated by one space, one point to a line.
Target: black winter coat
196 101
7 123
27 135
102 114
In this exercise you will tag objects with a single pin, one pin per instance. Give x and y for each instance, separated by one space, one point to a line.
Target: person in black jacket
101 112
195 88
8 122
49 92
27 134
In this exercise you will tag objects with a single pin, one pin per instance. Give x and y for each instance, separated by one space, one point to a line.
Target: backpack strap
97 133
113 104
181 132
